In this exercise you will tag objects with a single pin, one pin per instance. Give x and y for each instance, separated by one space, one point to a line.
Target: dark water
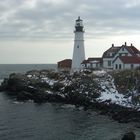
6 69
50 121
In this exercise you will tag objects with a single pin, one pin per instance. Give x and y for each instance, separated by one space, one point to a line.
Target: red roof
95 59
130 59
132 50
66 63
112 50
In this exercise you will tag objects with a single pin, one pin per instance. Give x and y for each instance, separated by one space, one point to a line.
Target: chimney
131 44
112 45
125 44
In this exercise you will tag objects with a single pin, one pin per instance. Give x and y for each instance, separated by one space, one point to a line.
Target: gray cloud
50 19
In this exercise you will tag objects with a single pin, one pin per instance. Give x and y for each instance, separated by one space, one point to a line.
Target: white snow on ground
31 87
110 93
66 82
32 76
49 92
51 82
99 72
29 76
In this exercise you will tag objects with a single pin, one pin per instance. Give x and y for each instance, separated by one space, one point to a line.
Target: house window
77 46
132 66
116 66
126 54
109 63
96 65
120 54
120 66
122 49
91 65
108 54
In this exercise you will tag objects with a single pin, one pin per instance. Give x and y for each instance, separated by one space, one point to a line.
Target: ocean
6 69
53 121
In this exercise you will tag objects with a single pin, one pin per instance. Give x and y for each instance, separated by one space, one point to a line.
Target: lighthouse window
78 24
77 46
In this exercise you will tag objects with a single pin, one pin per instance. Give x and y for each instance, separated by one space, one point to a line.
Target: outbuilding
126 62
64 64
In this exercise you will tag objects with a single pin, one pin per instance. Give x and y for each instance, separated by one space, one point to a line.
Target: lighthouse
78 51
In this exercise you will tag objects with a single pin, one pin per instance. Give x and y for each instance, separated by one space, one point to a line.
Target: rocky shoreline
91 89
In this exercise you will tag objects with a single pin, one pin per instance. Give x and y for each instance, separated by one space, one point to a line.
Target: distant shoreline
31 64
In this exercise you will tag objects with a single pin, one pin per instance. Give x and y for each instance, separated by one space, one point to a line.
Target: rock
3 85
137 125
16 82
23 95
57 86
129 136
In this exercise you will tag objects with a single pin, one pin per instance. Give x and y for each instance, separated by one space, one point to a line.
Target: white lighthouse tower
78 51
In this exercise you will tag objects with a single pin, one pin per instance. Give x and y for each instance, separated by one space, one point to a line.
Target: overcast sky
41 31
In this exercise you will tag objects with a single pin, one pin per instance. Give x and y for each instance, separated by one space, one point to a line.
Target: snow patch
29 76
32 87
99 72
110 93
49 92
51 82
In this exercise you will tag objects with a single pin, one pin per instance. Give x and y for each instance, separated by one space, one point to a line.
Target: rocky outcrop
95 90
129 136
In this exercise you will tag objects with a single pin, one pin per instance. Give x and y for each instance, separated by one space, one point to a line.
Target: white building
126 62
78 51
92 63
117 56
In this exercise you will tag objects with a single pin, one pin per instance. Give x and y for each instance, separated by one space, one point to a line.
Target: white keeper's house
116 58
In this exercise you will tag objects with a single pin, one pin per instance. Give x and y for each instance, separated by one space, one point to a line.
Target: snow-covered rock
110 93
99 72
51 82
